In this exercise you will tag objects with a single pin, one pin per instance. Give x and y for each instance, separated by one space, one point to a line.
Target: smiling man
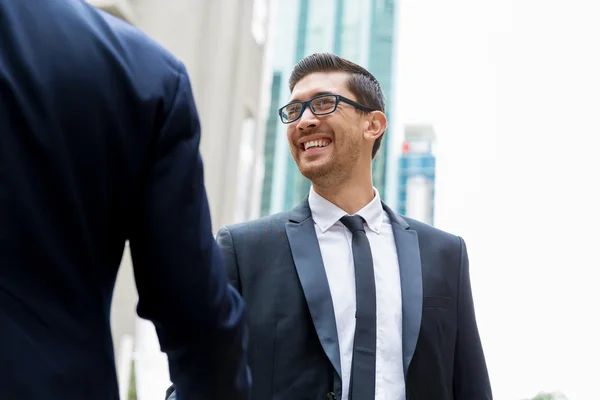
346 299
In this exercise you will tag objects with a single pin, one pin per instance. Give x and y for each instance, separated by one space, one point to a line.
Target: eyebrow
314 95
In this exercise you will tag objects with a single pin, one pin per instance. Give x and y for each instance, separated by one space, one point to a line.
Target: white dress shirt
335 242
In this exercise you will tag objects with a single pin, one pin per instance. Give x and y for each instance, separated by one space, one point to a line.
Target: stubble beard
334 171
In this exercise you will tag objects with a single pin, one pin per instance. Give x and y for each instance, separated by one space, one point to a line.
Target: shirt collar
326 214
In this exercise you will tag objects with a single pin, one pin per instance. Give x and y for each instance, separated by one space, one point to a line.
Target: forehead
321 82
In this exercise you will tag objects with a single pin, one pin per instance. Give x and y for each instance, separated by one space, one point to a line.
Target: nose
308 120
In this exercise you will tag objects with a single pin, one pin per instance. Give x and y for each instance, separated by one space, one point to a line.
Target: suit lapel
311 272
411 282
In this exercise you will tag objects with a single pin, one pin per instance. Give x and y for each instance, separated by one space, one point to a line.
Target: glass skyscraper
361 31
416 186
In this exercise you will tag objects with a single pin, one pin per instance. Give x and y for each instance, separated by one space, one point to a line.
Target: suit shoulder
270 223
132 45
436 244
425 230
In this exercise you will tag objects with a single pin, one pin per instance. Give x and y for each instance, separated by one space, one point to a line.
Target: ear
375 125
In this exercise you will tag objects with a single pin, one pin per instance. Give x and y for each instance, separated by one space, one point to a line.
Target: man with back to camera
346 299
99 141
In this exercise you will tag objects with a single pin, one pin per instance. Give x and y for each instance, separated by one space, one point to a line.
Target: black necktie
362 375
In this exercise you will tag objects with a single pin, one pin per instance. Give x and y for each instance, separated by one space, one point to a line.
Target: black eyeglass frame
307 103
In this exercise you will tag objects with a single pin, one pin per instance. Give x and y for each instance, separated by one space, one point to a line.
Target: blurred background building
416 173
225 47
362 31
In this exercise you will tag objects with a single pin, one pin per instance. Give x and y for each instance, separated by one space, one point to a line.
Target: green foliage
544 396
132 394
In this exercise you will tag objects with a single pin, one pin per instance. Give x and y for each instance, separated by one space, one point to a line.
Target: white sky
512 88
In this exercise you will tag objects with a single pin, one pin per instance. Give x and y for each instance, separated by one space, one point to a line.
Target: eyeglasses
320 105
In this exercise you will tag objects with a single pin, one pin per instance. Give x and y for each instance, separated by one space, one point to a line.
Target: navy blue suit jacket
99 141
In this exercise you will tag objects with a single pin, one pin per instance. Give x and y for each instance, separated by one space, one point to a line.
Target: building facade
416 174
226 49
362 31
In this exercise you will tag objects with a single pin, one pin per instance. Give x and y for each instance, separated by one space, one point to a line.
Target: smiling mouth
316 144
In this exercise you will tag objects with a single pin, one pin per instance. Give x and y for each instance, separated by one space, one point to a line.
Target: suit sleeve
471 380
225 242
182 285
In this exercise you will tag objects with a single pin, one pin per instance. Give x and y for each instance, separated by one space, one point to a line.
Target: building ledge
119 8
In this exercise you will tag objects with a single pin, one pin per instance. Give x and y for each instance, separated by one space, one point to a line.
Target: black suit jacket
275 263
99 144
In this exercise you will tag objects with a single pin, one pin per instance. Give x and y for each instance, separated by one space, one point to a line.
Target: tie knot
353 222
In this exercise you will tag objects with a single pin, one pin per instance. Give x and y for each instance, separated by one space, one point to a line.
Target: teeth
316 143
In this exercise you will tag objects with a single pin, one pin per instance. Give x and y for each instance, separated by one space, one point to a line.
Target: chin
312 172
316 172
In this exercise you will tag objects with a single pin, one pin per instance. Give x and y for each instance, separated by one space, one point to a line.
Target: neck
350 196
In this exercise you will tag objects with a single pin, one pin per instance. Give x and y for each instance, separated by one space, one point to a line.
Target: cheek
290 137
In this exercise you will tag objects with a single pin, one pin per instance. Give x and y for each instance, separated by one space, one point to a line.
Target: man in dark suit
99 141
346 299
